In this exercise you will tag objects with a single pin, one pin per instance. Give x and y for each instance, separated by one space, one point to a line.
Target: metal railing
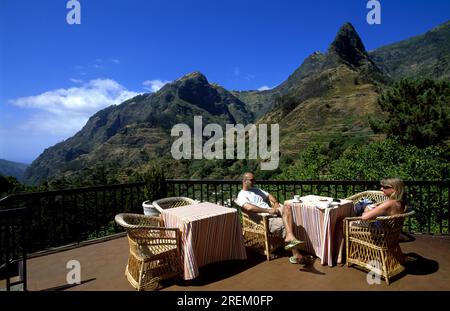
429 199
33 222
13 250
57 218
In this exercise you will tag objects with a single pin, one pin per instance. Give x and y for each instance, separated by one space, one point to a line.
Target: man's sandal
305 260
293 244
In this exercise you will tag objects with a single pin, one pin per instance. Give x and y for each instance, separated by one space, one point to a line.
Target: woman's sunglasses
385 187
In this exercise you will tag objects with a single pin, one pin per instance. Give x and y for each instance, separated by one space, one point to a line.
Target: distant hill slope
9 168
427 55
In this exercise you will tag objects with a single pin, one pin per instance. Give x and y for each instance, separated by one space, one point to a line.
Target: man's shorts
276 225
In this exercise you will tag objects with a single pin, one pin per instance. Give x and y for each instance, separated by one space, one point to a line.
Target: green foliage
390 158
155 182
10 185
418 112
312 164
5 187
371 161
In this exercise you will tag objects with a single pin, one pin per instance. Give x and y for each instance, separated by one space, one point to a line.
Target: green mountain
128 135
327 99
346 50
427 55
15 169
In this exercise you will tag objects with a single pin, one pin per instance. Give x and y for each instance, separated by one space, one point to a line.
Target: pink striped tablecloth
322 227
210 233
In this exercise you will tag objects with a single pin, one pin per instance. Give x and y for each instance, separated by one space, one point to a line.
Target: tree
155 183
379 159
418 112
313 163
5 187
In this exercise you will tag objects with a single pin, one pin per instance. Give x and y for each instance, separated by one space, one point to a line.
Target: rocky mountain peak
348 46
196 76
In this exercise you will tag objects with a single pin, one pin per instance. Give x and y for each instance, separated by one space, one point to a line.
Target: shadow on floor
67 286
310 268
418 265
406 237
219 271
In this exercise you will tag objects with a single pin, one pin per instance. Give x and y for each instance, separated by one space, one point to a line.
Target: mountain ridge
12 168
328 97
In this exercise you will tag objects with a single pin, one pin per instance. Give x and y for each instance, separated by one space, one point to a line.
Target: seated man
254 200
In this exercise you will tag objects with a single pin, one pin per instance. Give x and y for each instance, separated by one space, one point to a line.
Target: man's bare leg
287 221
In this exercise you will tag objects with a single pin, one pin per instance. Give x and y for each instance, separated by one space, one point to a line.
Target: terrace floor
103 264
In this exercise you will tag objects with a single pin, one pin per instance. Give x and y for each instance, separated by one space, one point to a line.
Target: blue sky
53 75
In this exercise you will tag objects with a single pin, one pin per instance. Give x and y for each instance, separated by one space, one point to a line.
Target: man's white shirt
255 196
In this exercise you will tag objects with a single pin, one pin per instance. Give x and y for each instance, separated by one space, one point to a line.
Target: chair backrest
373 195
137 221
146 230
172 202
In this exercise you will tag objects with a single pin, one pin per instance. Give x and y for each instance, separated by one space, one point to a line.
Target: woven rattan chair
172 202
374 196
257 236
374 245
154 251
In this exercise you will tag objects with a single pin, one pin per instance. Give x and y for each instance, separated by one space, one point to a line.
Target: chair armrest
265 214
136 221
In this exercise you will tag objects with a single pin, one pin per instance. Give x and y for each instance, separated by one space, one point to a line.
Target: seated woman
394 189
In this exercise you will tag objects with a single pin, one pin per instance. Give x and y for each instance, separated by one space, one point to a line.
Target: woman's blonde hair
398 186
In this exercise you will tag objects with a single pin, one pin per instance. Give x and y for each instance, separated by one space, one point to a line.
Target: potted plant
155 188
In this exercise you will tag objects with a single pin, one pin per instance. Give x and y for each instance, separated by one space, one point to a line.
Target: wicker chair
172 202
154 251
374 196
257 235
374 245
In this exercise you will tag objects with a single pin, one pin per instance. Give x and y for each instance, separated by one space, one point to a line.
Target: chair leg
267 249
266 237
384 270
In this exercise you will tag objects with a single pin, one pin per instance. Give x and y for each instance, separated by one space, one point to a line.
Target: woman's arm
379 210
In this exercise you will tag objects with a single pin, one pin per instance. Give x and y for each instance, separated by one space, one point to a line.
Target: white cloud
154 85
65 111
76 80
115 61
237 71
265 88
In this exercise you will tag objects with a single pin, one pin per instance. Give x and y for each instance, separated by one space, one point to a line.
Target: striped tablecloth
210 233
322 228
